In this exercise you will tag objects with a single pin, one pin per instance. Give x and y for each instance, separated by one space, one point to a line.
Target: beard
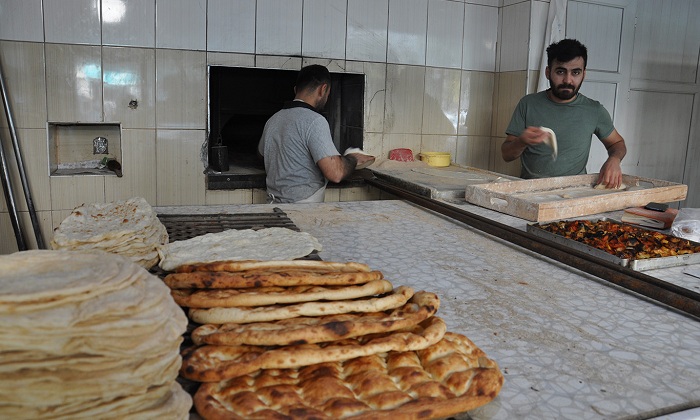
559 92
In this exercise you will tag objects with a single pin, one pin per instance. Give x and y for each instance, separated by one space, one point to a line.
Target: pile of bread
127 227
316 339
88 334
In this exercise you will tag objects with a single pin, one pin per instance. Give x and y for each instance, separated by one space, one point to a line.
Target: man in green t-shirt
572 117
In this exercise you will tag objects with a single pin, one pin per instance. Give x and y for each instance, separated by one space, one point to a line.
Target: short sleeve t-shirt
574 123
293 141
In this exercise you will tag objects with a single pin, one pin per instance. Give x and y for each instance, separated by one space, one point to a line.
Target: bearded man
571 116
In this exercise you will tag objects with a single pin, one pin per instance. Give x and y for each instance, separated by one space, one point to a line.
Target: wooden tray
548 199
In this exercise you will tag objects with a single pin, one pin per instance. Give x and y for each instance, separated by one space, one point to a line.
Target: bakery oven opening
241 99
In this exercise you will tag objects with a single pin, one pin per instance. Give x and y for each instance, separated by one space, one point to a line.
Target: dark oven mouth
242 99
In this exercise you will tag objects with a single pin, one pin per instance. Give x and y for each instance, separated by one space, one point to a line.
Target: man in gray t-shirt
572 117
297 148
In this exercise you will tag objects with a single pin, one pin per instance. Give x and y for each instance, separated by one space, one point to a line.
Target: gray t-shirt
574 123
293 141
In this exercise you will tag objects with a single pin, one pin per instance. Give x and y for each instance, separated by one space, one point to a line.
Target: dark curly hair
565 51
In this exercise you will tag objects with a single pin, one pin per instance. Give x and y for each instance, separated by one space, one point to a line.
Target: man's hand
513 147
363 160
610 173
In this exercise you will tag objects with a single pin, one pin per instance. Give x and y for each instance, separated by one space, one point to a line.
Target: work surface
570 346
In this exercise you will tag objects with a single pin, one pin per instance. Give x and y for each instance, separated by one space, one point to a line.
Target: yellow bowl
435 158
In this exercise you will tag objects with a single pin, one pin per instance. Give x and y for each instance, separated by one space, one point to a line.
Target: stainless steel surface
22 175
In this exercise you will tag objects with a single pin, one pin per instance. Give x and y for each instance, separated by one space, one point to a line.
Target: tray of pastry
620 243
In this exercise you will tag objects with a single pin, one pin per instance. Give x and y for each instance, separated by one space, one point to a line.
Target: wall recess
82 148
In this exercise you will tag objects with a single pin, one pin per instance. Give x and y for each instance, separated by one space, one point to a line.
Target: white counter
570 346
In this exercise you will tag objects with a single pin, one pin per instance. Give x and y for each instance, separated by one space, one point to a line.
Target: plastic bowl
435 158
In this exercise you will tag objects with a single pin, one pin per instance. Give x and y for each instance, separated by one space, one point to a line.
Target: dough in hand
551 140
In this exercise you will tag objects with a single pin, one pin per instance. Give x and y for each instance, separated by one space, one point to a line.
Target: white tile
9 243
138 168
375 91
223 197
492 3
259 196
408 23
181 89
333 66
510 87
538 25
23 67
367 30
129 85
231 26
69 192
277 62
480 36
445 27
476 103
515 37
332 195
372 144
473 151
21 20
72 21
439 143
181 24
441 101
230 59
401 141
671 27
74 83
404 99
35 159
278 27
599 27
129 23
179 168
323 28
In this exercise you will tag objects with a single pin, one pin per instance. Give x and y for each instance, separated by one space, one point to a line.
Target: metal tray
637 265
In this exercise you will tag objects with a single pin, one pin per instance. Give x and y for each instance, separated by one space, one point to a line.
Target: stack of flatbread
87 334
128 227
317 339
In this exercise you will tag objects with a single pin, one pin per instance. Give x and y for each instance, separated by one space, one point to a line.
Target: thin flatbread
551 141
275 243
218 363
254 278
398 297
319 329
275 266
263 296
450 377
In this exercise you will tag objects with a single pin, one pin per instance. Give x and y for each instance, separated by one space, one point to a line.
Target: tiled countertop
570 346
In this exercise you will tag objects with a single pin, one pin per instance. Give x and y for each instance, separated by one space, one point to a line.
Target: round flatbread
551 141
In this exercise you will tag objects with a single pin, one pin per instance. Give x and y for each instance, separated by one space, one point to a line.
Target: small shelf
77 148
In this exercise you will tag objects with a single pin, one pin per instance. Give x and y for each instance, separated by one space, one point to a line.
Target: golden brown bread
319 329
450 377
396 298
216 363
264 278
278 266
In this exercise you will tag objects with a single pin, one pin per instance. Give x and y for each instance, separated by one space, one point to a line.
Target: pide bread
258 278
224 298
447 378
216 363
396 298
319 329
272 266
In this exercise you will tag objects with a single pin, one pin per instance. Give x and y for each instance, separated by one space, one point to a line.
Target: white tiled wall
439 74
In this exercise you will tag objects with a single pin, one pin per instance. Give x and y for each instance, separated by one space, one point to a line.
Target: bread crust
264 278
282 266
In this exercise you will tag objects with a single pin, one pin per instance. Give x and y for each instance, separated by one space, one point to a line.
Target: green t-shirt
574 123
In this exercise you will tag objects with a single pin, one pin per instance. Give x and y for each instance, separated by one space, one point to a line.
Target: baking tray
634 264
549 199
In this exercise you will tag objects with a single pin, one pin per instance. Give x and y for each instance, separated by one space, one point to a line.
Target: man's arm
513 146
611 172
337 168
